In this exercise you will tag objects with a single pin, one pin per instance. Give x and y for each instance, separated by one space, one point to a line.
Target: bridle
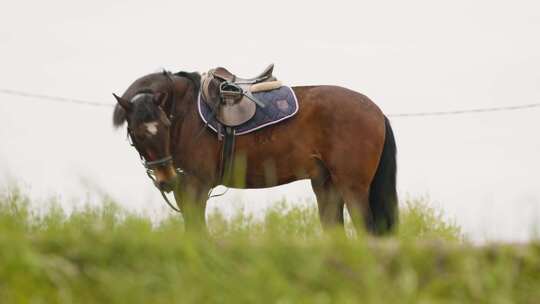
151 166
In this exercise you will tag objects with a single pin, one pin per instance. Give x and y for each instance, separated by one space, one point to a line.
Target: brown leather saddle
231 97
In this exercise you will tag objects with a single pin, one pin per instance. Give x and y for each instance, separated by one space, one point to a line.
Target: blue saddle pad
280 104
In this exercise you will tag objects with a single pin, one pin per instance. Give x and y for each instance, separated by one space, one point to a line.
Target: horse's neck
190 139
184 100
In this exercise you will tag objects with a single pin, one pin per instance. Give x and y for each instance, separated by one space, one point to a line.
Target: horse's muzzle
164 178
166 186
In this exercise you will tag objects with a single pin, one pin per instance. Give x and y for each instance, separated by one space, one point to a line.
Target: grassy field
107 255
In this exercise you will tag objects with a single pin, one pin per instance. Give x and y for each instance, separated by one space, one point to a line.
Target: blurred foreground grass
108 255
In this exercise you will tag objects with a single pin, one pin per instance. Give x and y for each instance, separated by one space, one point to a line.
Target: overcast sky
408 56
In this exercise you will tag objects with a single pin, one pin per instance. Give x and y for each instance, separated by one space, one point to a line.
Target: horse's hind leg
329 200
330 204
356 198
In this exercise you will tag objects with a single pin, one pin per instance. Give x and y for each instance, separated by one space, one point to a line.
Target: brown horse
339 139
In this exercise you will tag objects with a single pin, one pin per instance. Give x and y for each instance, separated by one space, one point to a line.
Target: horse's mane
144 109
119 115
195 77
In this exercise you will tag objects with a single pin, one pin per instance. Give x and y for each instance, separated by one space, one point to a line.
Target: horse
340 140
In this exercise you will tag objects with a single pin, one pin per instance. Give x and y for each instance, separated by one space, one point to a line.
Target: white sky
408 56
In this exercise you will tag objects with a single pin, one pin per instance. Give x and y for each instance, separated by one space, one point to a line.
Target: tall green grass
108 255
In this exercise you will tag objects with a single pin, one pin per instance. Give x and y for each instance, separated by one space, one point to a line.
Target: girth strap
227 156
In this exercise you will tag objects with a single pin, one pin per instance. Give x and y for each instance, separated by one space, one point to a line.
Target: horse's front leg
191 196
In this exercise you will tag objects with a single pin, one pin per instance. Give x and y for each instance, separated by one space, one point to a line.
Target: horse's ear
125 104
160 98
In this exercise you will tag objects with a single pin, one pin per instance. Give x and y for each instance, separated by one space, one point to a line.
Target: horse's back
332 124
338 111
336 101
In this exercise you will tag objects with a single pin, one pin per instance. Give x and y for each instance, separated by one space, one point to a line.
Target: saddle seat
231 96
266 75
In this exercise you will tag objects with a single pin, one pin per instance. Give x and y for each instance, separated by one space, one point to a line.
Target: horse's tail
383 201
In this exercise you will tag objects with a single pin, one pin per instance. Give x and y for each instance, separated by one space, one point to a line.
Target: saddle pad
280 104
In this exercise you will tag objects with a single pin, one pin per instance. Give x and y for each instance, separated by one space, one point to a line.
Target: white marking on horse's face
151 127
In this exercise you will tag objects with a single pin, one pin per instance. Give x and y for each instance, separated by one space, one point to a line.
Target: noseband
162 162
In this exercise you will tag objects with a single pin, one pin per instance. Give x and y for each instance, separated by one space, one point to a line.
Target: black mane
120 115
144 108
195 77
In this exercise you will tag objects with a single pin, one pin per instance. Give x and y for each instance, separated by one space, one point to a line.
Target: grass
108 255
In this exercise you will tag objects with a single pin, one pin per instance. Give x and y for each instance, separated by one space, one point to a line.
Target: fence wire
393 115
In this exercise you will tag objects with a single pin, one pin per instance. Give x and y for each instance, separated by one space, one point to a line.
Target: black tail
383 201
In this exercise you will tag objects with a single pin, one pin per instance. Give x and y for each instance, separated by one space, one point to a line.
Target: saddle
231 97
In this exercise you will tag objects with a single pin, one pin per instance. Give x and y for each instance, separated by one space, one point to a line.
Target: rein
151 165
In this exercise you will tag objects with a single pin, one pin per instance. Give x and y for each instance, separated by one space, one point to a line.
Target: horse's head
149 130
150 106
